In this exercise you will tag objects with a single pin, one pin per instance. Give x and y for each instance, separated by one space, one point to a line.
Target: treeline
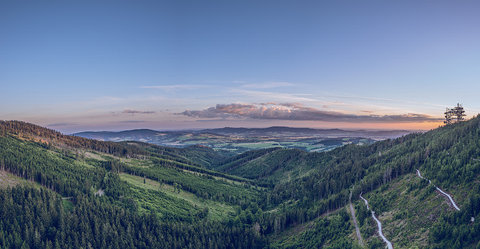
327 187
34 163
238 160
451 155
459 229
329 233
203 186
198 156
48 136
195 156
340 169
296 213
31 218
72 178
111 221
169 163
270 167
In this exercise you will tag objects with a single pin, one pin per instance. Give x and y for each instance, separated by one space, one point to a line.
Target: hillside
126 181
413 212
196 197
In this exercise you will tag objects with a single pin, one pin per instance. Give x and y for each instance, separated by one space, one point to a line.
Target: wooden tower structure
455 114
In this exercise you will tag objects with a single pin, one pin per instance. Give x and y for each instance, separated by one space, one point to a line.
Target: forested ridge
66 212
159 197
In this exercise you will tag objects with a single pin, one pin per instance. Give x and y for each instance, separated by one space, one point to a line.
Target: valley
265 198
239 124
239 140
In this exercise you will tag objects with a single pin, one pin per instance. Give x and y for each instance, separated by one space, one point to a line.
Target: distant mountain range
239 140
421 190
270 131
278 130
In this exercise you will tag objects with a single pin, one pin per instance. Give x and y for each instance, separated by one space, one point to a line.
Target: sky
167 65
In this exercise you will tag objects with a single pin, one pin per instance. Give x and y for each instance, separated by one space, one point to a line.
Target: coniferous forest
226 124
60 191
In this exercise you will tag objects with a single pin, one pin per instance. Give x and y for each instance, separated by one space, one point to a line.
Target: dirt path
354 218
441 191
379 224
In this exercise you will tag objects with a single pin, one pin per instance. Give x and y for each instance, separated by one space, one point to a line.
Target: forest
72 192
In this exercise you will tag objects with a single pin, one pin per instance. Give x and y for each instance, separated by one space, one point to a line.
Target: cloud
267 85
131 121
174 87
281 97
60 124
296 111
128 111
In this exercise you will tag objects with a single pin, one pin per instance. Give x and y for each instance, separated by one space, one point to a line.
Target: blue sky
110 65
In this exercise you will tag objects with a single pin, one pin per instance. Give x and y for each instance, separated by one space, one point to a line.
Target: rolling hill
139 195
238 140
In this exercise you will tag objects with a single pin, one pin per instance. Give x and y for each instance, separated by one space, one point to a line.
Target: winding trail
389 244
441 191
357 230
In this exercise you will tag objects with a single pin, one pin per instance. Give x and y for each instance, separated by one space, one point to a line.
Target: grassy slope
10 180
205 185
164 203
161 198
216 210
407 208
271 166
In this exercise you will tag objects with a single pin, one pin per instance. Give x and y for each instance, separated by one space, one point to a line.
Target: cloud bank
295 111
128 111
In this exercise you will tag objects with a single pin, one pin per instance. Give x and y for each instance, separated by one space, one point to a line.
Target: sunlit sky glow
114 65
